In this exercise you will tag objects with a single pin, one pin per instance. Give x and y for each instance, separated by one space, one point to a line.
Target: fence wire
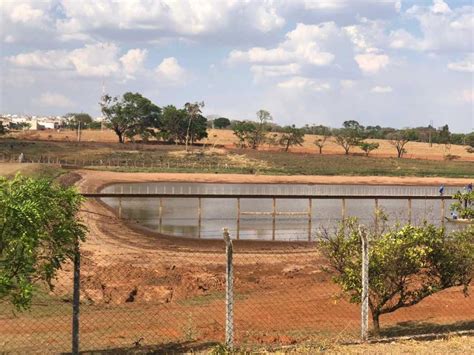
173 299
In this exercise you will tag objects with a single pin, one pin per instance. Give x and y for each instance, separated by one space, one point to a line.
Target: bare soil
148 289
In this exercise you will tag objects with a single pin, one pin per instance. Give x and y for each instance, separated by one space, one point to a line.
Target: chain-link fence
147 295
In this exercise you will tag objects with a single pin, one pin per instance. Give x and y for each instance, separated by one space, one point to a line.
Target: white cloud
275 70
133 60
92 60
170 71
25 14
468 96
52 60
440 7
381 89
299 83
50 99
442 28
303 44
347 84
372 63
465 65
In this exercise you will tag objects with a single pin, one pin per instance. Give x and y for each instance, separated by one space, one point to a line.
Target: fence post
238 218
365 286
229 294
274 218
409 210
75 300
199 217
310 217
443 211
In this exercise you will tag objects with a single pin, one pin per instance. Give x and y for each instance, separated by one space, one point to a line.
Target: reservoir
282 219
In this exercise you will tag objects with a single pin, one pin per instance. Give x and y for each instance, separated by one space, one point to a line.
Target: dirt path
94 180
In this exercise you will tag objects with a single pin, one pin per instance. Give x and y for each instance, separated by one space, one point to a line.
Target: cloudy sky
388 62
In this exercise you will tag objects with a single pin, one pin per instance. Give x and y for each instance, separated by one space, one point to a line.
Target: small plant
189 330
463 207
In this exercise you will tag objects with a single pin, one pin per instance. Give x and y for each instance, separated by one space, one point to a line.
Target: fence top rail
264 196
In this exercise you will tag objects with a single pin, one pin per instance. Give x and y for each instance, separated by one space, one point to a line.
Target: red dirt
152 289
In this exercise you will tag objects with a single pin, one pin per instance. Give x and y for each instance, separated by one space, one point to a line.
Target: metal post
376 215
343 208
365 287
238 218
199 217
120 208
443 212
409 210
229 295
274 219
310 217
75 300
160 214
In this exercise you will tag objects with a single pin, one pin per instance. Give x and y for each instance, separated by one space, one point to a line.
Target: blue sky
388 62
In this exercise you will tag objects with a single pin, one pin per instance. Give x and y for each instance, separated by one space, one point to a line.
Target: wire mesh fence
137 296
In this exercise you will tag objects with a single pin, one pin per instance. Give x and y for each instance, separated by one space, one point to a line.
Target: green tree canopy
131 115
291 136
221 123
406 264
368 147
39 230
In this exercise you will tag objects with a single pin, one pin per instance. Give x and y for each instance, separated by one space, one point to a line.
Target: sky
395 63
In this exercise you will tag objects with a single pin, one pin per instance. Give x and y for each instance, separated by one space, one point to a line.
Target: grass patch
172 158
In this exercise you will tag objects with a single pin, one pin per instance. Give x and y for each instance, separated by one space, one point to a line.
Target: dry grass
415 150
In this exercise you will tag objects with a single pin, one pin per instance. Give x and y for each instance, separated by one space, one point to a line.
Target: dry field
415 150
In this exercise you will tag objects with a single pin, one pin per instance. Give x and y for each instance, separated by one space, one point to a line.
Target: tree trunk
287 146
320 150
375 320
120 137
347 150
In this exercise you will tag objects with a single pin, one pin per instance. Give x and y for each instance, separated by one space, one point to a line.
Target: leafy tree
173 124
291 136
469 139
406 264
193 110
245 132
399 139
320 143
130 115
74 119
464 205
368 147
39 230
263 120
444 136
350 135
221 122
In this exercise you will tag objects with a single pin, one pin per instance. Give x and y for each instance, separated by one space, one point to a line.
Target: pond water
180 216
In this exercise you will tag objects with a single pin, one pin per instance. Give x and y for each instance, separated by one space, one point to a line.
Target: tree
350 135
406 264
193 110
39 230
464 205
173 125
130 115
399 139
444 135
291 136
221 122
74 119
2 129
320 143
245 132
264 118
368 147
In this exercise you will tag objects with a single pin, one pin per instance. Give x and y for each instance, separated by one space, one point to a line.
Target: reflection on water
180 216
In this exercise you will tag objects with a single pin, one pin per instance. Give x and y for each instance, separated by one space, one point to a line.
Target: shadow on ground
411 328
